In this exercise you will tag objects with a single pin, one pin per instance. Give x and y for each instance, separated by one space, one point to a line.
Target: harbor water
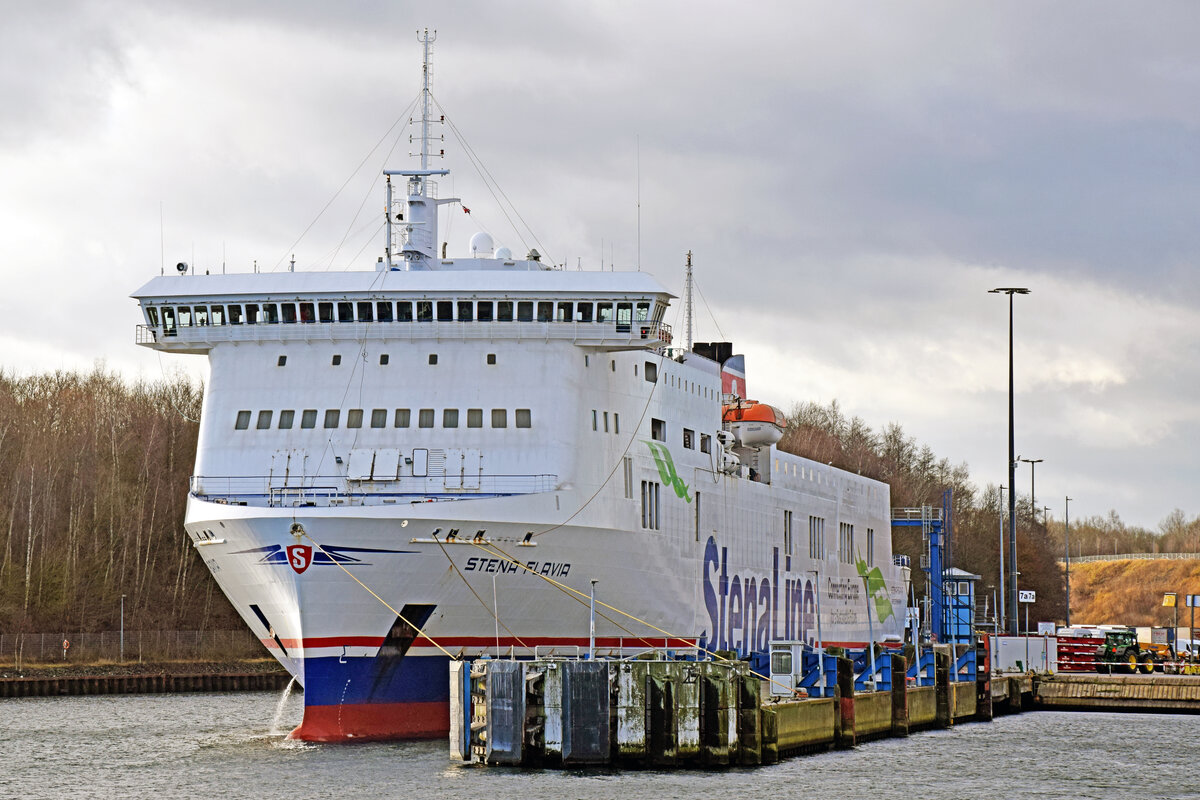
233 745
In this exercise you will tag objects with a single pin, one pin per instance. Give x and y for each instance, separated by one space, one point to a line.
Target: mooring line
495 612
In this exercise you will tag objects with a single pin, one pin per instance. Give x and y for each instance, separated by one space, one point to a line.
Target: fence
47 648
1133 557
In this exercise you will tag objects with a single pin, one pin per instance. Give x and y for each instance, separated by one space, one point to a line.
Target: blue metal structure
958 589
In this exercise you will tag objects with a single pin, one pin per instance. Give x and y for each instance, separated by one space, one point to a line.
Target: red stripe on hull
373 722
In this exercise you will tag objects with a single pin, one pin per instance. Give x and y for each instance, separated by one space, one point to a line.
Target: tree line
94 481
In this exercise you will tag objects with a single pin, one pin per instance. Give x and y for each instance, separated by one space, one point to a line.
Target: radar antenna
687 301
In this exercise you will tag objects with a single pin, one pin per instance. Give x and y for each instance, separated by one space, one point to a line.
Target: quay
569 713
161 683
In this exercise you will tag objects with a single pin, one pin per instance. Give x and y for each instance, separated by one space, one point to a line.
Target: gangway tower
935 524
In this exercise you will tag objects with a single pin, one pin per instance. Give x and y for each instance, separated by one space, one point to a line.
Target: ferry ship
449 457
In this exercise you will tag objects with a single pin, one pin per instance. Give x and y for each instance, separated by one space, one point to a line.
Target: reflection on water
212 745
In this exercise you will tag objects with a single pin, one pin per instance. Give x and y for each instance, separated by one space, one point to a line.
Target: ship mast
412 222
687 301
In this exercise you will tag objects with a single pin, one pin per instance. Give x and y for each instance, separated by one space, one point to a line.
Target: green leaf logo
876 589
666 470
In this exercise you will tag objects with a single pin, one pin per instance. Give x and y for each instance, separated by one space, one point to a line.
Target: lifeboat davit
754 424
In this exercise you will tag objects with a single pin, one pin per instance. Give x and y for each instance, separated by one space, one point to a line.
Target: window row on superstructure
622 313
382 418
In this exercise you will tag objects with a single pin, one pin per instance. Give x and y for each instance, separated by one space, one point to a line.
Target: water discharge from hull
280 707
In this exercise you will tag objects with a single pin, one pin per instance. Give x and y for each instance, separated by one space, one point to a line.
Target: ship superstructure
440 457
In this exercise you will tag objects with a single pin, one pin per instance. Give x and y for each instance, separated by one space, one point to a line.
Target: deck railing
330 490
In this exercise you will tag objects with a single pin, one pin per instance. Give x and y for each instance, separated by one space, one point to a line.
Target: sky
851 178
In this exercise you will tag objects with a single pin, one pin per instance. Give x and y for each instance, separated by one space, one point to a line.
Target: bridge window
378 417
624 317
270 313
643 312
425 418
201 315
424 311
252 316
545 311
604 312
264 420
499 418
218 315
403 418
289 312
565 312
383 311
152 316
449 417
445 310
504 311
345 312
185 316
474 417
583 312
465 310
354 418
235 315
332 417
309 418
286 418
404 312
243 421
307 313
524 311
483 311
523 418
364 312
325 310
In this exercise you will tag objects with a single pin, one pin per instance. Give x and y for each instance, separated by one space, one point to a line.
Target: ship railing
334 490
623 335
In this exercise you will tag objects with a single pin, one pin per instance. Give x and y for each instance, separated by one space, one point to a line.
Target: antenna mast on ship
412 230
687 301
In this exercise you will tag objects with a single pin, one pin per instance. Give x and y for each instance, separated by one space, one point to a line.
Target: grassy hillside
1131 592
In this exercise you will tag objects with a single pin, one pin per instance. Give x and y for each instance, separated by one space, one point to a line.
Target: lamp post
1012 464
122 659
1032 462
1000 624
1067 546
592 623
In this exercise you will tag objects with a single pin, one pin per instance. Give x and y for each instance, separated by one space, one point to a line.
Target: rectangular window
383 311
445 310
787 532
307 312
504 311
606 422
289 312
643 312
474 417
650 373
545 311
465 311
658 429
332 417
705 443
624 317
425 418
185 316
595 414
524 311
499 418
218 315
286 418
523 418
264 420
152 316
816 537
354 418
325 312
565 312
235 315
449 417
689 439
309 418
483 311
650 507
201 315
628 477
403 418
424 311
604 312
243 421
270 313
404 311
378 417
345 312
696 504
616 422
846 543
870 546
252 317
583 312
365 311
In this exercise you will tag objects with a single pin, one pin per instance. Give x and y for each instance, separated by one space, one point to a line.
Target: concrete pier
143 684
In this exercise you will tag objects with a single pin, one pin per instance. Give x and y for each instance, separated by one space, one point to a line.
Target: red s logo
299 556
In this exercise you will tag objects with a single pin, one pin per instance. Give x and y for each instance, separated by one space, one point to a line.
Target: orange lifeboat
754 424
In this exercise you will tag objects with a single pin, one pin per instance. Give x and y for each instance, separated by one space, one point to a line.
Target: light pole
122 629
592 623
1067 545
1012 464
1032 462
1000 625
